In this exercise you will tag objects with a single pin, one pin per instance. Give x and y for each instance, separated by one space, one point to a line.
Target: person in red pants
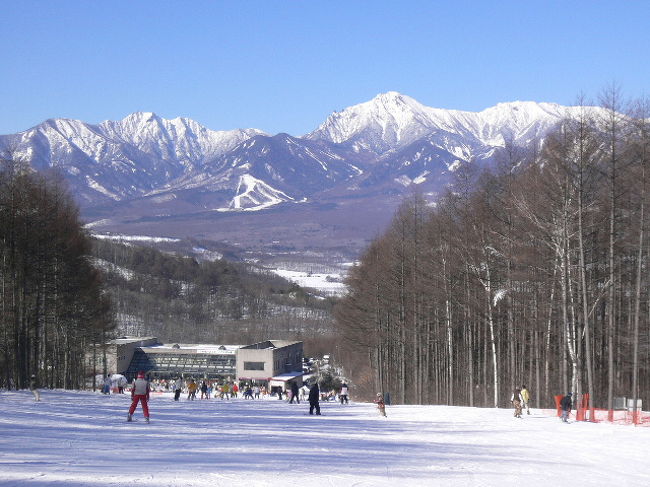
139 393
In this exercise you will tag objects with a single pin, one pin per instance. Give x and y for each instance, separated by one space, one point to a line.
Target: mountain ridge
343 178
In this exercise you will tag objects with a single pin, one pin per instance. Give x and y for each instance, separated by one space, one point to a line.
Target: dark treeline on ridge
51 301
534 273
180 299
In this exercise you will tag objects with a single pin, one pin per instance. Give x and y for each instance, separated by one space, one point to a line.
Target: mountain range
146 174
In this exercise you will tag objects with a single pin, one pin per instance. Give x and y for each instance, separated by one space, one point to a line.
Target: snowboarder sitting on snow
517 401
381 406
314 395
139 393
566 405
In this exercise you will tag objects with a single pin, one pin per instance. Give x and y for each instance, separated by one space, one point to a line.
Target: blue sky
283 66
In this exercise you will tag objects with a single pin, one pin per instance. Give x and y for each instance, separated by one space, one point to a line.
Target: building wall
287 359
273 357
171 364
276 361
118 355
250 355
124 353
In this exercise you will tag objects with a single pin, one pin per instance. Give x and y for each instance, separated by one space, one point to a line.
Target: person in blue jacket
566 405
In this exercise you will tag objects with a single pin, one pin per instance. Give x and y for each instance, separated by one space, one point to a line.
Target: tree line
63 292
533 272
52 304
182 299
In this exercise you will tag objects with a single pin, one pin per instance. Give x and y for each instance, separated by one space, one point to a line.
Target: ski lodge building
273 363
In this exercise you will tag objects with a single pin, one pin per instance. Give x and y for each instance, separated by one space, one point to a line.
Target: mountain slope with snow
391 121
122 159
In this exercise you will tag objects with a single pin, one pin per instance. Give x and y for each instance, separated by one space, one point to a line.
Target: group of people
141 388
209 389
521 400
114 382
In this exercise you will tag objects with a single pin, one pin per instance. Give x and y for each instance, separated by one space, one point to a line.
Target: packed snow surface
82 439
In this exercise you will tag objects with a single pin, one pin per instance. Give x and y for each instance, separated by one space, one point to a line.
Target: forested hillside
182 299
52 305
535 273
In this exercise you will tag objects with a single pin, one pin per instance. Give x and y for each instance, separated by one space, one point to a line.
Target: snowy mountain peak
388 120
392 120
392 99
141 117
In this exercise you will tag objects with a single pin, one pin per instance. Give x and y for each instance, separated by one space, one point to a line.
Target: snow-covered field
328 283
81 438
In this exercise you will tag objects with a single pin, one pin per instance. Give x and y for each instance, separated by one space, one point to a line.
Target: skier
525 395
107 385
191 388
517 401
139 393
381 406
314 394
295 391
204 390
566 405
343 395
33 388
178 388
121 382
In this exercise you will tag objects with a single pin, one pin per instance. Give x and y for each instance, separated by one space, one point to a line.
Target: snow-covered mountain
123 159
385 145
391 121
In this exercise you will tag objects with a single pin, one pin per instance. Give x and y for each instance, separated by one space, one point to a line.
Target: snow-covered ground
327 283
82 439
132 238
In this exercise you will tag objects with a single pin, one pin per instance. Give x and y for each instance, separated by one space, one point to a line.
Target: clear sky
284 66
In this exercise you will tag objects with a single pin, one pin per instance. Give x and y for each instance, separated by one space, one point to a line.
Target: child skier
381 406
139 393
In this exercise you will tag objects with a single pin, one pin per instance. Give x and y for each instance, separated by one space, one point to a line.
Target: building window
253 365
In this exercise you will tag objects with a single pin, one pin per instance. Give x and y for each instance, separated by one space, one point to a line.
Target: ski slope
82 439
